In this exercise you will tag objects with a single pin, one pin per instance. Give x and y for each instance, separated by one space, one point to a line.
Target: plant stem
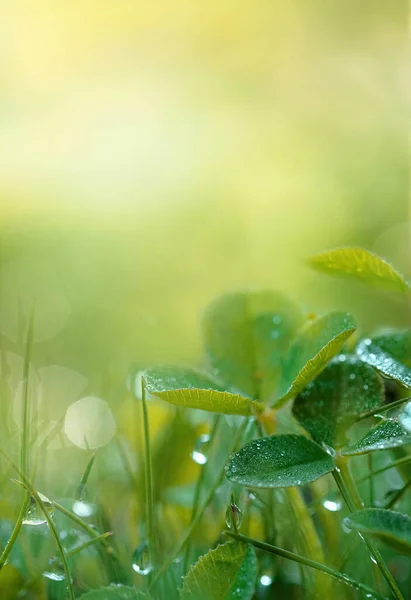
16 530
393 465
54 533
181 544
383 408
25 440
148 476
199 487
371 481
398 495
304 561
348 489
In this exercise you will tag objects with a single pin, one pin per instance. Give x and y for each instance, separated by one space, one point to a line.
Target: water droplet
266 580
373 559
365 386
332 505
141 559
199 454
276 319
342 358
34 515
352 376
233 517
55 570
83 509
367 342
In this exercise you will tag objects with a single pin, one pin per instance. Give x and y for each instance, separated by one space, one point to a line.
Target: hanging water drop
233 517
332 505
55 570
141 559
199 454
34 515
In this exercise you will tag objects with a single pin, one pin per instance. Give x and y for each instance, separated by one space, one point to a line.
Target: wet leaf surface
391 527
192 389
388 434
246 337
389 354
360 264
317 343
279 461
228 572
331 403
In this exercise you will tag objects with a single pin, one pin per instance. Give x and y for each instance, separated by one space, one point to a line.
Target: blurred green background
157 154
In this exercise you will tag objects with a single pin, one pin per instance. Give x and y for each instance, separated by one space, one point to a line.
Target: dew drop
199 454
34 515
55 570
266 580
140 560
83 509
332 505
342 358
233 517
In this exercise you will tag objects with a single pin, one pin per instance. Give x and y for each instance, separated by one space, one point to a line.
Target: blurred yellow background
155 154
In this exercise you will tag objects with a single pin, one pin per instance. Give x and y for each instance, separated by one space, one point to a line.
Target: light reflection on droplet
199 454
266 580
332 506
83 509
140 560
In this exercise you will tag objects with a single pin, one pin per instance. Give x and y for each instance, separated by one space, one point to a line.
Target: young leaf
357 263
246 337
388 434
391 527
279 461
226 573
193 389
331 403
315 346
388 354
115 592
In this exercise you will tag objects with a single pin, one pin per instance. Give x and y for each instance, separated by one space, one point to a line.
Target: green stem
306 562
16 530
394 464
25 440
148 476
348 489
383 408
182 543
398 495
54 533
199 487
371 481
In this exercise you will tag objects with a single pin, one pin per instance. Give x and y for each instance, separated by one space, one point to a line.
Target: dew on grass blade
34 515
199 454
141 559
89 423
233 517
